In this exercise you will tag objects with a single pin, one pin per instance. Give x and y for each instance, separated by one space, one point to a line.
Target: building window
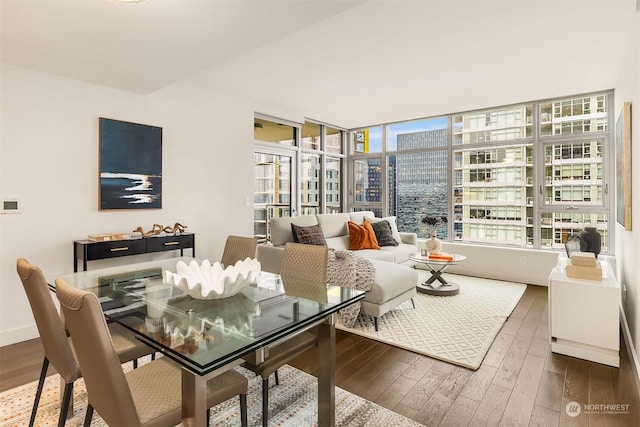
526 175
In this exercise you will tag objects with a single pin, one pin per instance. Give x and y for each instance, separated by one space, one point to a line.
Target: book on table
440 256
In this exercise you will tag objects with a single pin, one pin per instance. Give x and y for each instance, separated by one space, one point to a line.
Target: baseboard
18 335
633 356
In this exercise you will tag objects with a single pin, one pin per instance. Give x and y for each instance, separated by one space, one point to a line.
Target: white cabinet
584 316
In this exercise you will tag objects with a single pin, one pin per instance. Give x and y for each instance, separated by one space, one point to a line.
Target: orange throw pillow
362 236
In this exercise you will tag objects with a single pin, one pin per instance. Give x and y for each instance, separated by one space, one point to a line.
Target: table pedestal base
449 289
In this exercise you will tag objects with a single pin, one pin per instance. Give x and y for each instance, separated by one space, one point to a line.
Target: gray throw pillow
311 235
384 233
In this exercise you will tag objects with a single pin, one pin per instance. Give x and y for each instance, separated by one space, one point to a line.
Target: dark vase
590 240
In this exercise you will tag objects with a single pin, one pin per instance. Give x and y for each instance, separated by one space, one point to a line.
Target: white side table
584 315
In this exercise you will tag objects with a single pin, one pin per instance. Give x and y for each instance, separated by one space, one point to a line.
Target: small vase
590 240
433 245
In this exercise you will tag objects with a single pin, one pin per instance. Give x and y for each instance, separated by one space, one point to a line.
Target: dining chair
238 248
148 396
306 263
57 348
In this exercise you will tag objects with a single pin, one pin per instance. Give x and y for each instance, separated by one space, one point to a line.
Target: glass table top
204 335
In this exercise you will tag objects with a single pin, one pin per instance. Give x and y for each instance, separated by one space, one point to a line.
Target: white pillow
394 227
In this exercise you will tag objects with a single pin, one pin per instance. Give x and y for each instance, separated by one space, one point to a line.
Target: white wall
49 160
628 242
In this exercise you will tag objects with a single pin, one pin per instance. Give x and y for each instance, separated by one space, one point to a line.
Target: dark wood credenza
87 250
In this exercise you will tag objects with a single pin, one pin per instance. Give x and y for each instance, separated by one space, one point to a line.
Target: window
525 175
297 170
367 140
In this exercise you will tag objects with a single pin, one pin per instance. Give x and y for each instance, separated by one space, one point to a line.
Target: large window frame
309 187
570 134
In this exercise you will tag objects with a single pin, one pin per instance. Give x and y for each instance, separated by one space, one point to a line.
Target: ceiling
147 46
347 63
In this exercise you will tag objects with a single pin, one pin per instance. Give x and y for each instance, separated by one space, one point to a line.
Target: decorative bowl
206 281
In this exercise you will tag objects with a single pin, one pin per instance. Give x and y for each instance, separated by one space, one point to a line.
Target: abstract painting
130 165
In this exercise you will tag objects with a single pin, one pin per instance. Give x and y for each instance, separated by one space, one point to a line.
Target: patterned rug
456 329
292 403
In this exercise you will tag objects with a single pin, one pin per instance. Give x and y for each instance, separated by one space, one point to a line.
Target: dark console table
87 250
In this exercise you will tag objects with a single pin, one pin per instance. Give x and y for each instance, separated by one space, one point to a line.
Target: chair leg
413 303
135 363
43 376
68 395
277 377
243 411
208 417
265 402
88 416
375 323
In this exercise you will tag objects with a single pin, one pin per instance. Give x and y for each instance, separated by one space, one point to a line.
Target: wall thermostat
10 206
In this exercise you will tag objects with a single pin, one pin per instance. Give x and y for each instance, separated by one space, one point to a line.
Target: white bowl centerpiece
207 281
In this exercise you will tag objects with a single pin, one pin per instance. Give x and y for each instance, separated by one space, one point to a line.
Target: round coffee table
437 267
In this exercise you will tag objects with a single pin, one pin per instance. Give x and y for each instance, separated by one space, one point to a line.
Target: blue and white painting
130 165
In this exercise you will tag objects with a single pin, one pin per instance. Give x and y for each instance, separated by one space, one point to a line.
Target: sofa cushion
281 227
310 235
359 217
378 254
391 280
339 242
400 253
334 225
362 236
384 234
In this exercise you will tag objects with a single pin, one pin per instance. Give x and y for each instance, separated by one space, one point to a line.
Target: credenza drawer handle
171 243
126 248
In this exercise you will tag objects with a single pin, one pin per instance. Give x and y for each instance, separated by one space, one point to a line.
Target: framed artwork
130 165
623 167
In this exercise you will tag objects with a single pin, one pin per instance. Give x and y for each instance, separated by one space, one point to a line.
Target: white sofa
395 281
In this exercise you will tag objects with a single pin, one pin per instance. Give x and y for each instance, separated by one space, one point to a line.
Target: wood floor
520 382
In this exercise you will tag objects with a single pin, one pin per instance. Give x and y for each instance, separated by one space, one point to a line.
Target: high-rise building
421 181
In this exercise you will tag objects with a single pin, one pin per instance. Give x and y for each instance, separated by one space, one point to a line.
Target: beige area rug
457 329
292 403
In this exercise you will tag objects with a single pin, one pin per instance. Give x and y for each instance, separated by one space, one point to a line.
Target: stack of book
583 265
440 256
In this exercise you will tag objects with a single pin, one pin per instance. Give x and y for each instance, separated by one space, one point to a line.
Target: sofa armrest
270 257
409 238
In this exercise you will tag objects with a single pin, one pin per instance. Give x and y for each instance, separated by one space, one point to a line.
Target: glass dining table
208 337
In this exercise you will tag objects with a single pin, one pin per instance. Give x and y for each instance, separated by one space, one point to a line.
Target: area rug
456 329
292 403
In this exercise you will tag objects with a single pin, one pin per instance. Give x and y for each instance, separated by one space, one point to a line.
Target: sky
375 133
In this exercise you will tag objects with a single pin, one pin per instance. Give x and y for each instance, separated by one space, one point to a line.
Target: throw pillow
311 235
384 235
394 227
362 236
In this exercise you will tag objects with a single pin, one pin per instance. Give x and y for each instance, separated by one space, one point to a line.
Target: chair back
237 249
57 348
107 388
305 262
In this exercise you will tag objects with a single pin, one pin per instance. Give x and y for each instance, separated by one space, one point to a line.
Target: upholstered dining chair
148 396
306 263
57 347
238 248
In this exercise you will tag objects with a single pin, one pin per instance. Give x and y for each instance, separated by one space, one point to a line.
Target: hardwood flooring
520 382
